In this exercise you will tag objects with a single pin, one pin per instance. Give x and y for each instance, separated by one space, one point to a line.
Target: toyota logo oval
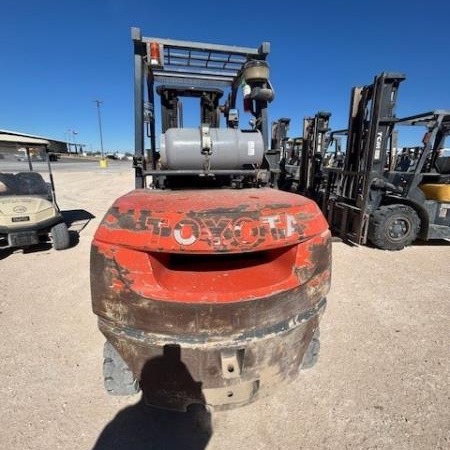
19 209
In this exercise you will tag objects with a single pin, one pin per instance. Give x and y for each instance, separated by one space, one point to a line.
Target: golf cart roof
25 140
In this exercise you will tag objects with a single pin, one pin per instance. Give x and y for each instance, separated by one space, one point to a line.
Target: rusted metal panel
268 358
127 308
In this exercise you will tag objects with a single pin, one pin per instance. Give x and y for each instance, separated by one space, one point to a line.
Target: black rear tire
60 236
117 376
393 227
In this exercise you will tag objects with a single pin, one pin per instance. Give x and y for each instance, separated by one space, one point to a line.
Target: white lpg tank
231 149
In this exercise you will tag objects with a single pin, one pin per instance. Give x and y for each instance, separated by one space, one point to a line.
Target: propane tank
230 149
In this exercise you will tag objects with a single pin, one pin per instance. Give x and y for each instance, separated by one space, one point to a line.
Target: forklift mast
175 69
315 143
279 134
334 148
371 121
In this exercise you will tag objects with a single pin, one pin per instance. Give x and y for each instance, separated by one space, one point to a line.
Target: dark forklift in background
371 198
286 153
302 164
315 143
334 155
208 284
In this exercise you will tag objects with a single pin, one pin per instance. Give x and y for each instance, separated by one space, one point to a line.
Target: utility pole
99 102
67 137
73 140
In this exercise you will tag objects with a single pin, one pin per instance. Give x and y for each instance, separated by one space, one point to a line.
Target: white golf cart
29 214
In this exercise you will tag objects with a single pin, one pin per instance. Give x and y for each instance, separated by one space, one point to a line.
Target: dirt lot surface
382 380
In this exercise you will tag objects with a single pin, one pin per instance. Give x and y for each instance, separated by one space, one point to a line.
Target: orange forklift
208 283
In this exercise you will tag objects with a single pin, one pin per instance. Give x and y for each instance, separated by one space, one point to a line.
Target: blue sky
58 56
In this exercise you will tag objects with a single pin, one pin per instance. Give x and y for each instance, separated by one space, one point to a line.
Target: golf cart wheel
393 227
117 376
312 353
60 236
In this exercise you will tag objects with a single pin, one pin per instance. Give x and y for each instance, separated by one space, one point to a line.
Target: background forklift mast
302 160
280 148
366 199
290 165
315 143
279 134
334 155
371 121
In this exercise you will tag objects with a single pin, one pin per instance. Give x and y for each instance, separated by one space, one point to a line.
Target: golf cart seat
7 183
32 183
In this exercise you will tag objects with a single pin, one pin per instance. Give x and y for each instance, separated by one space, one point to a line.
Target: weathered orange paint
210 221
258 243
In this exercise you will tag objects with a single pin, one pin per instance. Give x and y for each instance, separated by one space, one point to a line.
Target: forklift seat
443 165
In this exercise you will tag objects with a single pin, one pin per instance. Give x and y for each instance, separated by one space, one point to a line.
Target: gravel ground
382 380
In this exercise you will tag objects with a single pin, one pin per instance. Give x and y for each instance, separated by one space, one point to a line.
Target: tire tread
60 236
117 376
378 220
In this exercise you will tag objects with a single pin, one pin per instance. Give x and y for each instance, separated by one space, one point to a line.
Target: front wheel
60 236
393 227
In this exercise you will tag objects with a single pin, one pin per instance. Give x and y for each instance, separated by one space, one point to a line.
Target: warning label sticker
251 148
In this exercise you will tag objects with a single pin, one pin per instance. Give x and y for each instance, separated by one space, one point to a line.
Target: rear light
155 57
